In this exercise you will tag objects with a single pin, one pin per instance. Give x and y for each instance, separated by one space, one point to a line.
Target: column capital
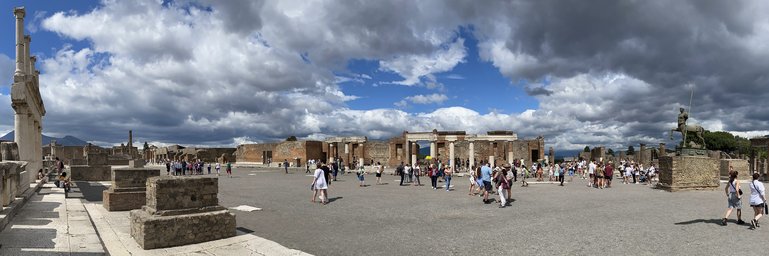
19 12
27 38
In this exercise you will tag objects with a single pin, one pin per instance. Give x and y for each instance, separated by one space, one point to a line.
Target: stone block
9 151
123 201
136 163
688 173
77 161
90 173
739 165
167 193
132 177
152 231
128 190
96 159
180 211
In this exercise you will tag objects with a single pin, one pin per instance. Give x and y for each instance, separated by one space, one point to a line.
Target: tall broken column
27 104
131 143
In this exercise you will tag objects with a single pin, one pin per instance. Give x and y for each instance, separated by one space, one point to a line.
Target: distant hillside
66 141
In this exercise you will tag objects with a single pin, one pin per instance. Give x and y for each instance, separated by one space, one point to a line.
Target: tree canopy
291 138
630 150
587 149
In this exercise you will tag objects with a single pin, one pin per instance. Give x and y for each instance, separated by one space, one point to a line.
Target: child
360 174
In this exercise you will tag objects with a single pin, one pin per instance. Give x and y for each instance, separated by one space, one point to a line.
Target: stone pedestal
129 189
688 173
180 211
90 173
11 181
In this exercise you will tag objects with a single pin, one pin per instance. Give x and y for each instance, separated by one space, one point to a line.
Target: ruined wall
67 153
739 165
211 154
253 153
382 152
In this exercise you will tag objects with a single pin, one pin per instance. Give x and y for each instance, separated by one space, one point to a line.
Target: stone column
330 154
551 159
433 149
406 152
25 66
662 150
21 134
510 157
491 161
451 154
362 156
471 158
53 149
19 13
414 153
642 159
131 143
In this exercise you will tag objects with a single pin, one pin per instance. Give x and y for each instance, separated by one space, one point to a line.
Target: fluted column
472 155
406 152
451 154
19 13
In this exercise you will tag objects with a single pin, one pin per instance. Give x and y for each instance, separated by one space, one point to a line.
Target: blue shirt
486 173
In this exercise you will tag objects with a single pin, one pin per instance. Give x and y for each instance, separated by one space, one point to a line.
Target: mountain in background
66 141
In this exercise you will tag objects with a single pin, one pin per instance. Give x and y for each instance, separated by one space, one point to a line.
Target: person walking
486 177
608 174
417 172
473 182
757 199
502 186
402 171
319 185
285 165
447 172
433 172
168 168
209 168
218 168
409 173
561 173
734 199
360 172
378 173
229 169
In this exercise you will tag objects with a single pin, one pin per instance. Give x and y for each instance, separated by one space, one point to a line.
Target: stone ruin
21 159
129 187
180 211
11 171
95 167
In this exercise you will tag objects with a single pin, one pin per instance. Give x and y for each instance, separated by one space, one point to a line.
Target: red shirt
608 170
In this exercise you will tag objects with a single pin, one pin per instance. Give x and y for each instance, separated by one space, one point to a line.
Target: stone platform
128 190
688 173
180 211
90 173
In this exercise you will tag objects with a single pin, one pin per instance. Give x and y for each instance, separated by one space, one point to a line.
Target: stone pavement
114 228
50 224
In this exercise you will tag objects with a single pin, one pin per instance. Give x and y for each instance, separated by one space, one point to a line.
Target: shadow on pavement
91 191
710 221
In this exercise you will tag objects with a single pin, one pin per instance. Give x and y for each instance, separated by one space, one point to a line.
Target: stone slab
739 165
151 231
123 201
132 177
90 173
181 193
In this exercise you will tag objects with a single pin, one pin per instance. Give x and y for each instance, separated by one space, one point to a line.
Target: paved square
544 219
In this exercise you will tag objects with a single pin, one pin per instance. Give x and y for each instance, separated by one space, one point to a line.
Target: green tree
630 150
587 149
610 152
291 138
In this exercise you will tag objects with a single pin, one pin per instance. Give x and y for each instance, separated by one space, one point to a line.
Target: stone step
74 191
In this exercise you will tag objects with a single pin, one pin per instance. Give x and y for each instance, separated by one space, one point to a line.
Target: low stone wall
90 173
128 190
179 211
688 173
739 165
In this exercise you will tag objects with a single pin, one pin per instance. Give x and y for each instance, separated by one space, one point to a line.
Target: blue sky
222 73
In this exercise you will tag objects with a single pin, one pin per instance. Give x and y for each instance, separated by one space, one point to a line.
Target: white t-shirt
320 179
629 171
591 168
407 169
378 169
756 190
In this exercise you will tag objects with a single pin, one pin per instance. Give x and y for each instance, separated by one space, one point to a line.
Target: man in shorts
608 173
591 174
486 178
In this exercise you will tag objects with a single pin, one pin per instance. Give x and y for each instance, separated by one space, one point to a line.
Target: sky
224 73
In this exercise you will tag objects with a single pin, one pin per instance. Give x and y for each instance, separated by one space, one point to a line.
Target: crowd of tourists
195 167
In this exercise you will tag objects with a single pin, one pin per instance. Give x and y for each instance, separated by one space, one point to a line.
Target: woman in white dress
319 185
